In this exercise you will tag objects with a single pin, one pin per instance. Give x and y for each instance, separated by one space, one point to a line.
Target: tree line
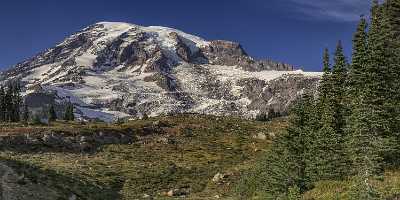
350 129
10 102
13 108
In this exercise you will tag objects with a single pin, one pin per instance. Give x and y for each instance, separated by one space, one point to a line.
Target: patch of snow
86 60
165 31
234 73
95 114
39 73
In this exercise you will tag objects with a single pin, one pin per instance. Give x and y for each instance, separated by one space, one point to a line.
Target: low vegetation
184 155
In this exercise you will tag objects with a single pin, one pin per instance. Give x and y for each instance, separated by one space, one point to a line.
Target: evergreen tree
286 164
2 104
391 26
317 162
69 112
329 160
364 143
36 120
9 107
378 84
52 113
357 73
325 84
365 147
17 100
25 114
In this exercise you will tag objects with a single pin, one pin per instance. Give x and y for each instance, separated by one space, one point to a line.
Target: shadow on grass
65 185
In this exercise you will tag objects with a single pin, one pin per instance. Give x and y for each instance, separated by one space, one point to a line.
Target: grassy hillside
185 154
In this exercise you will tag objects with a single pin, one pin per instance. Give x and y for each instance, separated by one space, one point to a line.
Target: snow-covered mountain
111 70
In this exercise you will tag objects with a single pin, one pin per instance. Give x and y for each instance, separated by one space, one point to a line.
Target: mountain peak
115 69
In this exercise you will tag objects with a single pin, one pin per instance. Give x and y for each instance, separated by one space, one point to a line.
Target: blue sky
293 31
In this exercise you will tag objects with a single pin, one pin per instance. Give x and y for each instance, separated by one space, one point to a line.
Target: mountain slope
112 70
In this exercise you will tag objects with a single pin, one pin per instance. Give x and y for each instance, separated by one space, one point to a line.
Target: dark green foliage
325 84
329 159
52 113
367 121
391 25
2 104
357 75
286 163
69 112
25 114
365 147
10 102
36 120
353 129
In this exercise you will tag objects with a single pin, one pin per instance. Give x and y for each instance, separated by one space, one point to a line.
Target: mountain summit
113 70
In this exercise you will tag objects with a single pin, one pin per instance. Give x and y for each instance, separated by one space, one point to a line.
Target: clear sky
292 31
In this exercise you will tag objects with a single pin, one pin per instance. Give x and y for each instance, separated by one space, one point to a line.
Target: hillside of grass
184 154
174 157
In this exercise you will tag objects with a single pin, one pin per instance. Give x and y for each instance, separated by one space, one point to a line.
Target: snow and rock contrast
115 70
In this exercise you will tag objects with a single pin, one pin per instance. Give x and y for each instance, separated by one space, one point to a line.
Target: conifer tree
364 143
9 103
391 26
357 73
286 166
365 148
2 104
325 84
378 84
17 100
69 112
328 145
52 113
324 112
25 114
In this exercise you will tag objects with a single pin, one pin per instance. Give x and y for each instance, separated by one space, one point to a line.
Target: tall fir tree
2 105
324 112
357 72
391 26
286 164
378 84
17 101
365 147
25 113
330 159
325 84
364 144
69 112
9 103
52 113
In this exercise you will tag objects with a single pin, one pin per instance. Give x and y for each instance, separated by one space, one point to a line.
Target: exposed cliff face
114 70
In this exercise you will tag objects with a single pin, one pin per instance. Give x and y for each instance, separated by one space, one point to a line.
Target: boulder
218 178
